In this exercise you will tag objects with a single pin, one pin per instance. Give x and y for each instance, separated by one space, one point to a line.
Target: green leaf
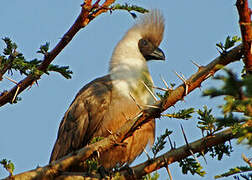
232 171
129 8
219 151
44 48
159 144
229 43
153 176
192 166
182 114
63 70
207 122
8 165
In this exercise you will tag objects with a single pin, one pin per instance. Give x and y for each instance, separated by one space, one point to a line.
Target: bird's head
141 42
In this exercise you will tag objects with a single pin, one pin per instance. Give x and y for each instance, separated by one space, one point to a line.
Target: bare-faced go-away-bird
103 106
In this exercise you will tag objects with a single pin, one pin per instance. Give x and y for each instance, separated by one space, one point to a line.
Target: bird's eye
143 42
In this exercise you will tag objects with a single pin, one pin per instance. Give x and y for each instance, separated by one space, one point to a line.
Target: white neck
128 69
128 80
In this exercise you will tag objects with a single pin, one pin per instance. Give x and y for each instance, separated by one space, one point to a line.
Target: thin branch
165 159
83 19
178 154
52 170
246 32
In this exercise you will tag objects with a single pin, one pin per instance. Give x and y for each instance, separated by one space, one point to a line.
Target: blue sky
28 129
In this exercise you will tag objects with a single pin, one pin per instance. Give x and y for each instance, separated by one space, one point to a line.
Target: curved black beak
157 54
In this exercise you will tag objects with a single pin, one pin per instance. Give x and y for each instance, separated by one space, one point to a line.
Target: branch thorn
184 135
196 64
15 95
167 168
139 107
150 91
147 154
15 82
165 83
184 81
170 142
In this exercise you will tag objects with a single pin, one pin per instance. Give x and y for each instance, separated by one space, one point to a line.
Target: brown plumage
105 104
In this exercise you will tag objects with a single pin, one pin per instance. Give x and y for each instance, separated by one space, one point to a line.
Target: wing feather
83 117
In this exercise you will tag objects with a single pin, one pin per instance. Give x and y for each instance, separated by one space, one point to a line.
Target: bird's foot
128 169
103 172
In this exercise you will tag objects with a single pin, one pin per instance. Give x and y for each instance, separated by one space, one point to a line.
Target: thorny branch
246 32
165 159
87 14
53 170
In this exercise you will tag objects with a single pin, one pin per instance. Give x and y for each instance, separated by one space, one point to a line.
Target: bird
102 106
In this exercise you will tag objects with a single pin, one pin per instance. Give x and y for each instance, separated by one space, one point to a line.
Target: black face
149 51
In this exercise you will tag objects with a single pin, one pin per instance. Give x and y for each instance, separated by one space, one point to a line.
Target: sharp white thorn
165 83
194 156
110 132
10 79
186 89
147 154
209 75
135 101
154 97
180 77
15 95
196 64
151 106
162 89
184 81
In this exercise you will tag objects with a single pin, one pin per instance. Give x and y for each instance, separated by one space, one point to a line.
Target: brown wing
77 127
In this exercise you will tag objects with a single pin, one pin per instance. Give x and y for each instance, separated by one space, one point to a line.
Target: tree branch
165 159
54 169
246 32
86 15
180 153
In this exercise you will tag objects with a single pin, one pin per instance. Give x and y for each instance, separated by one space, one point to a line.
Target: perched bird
104 105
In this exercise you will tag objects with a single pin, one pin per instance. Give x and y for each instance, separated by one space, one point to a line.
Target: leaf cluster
153 176
238 99
8 165
192 166
238 169
219 150
159 144
14 60
207 122
229 43
129 8
92 165
182 114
